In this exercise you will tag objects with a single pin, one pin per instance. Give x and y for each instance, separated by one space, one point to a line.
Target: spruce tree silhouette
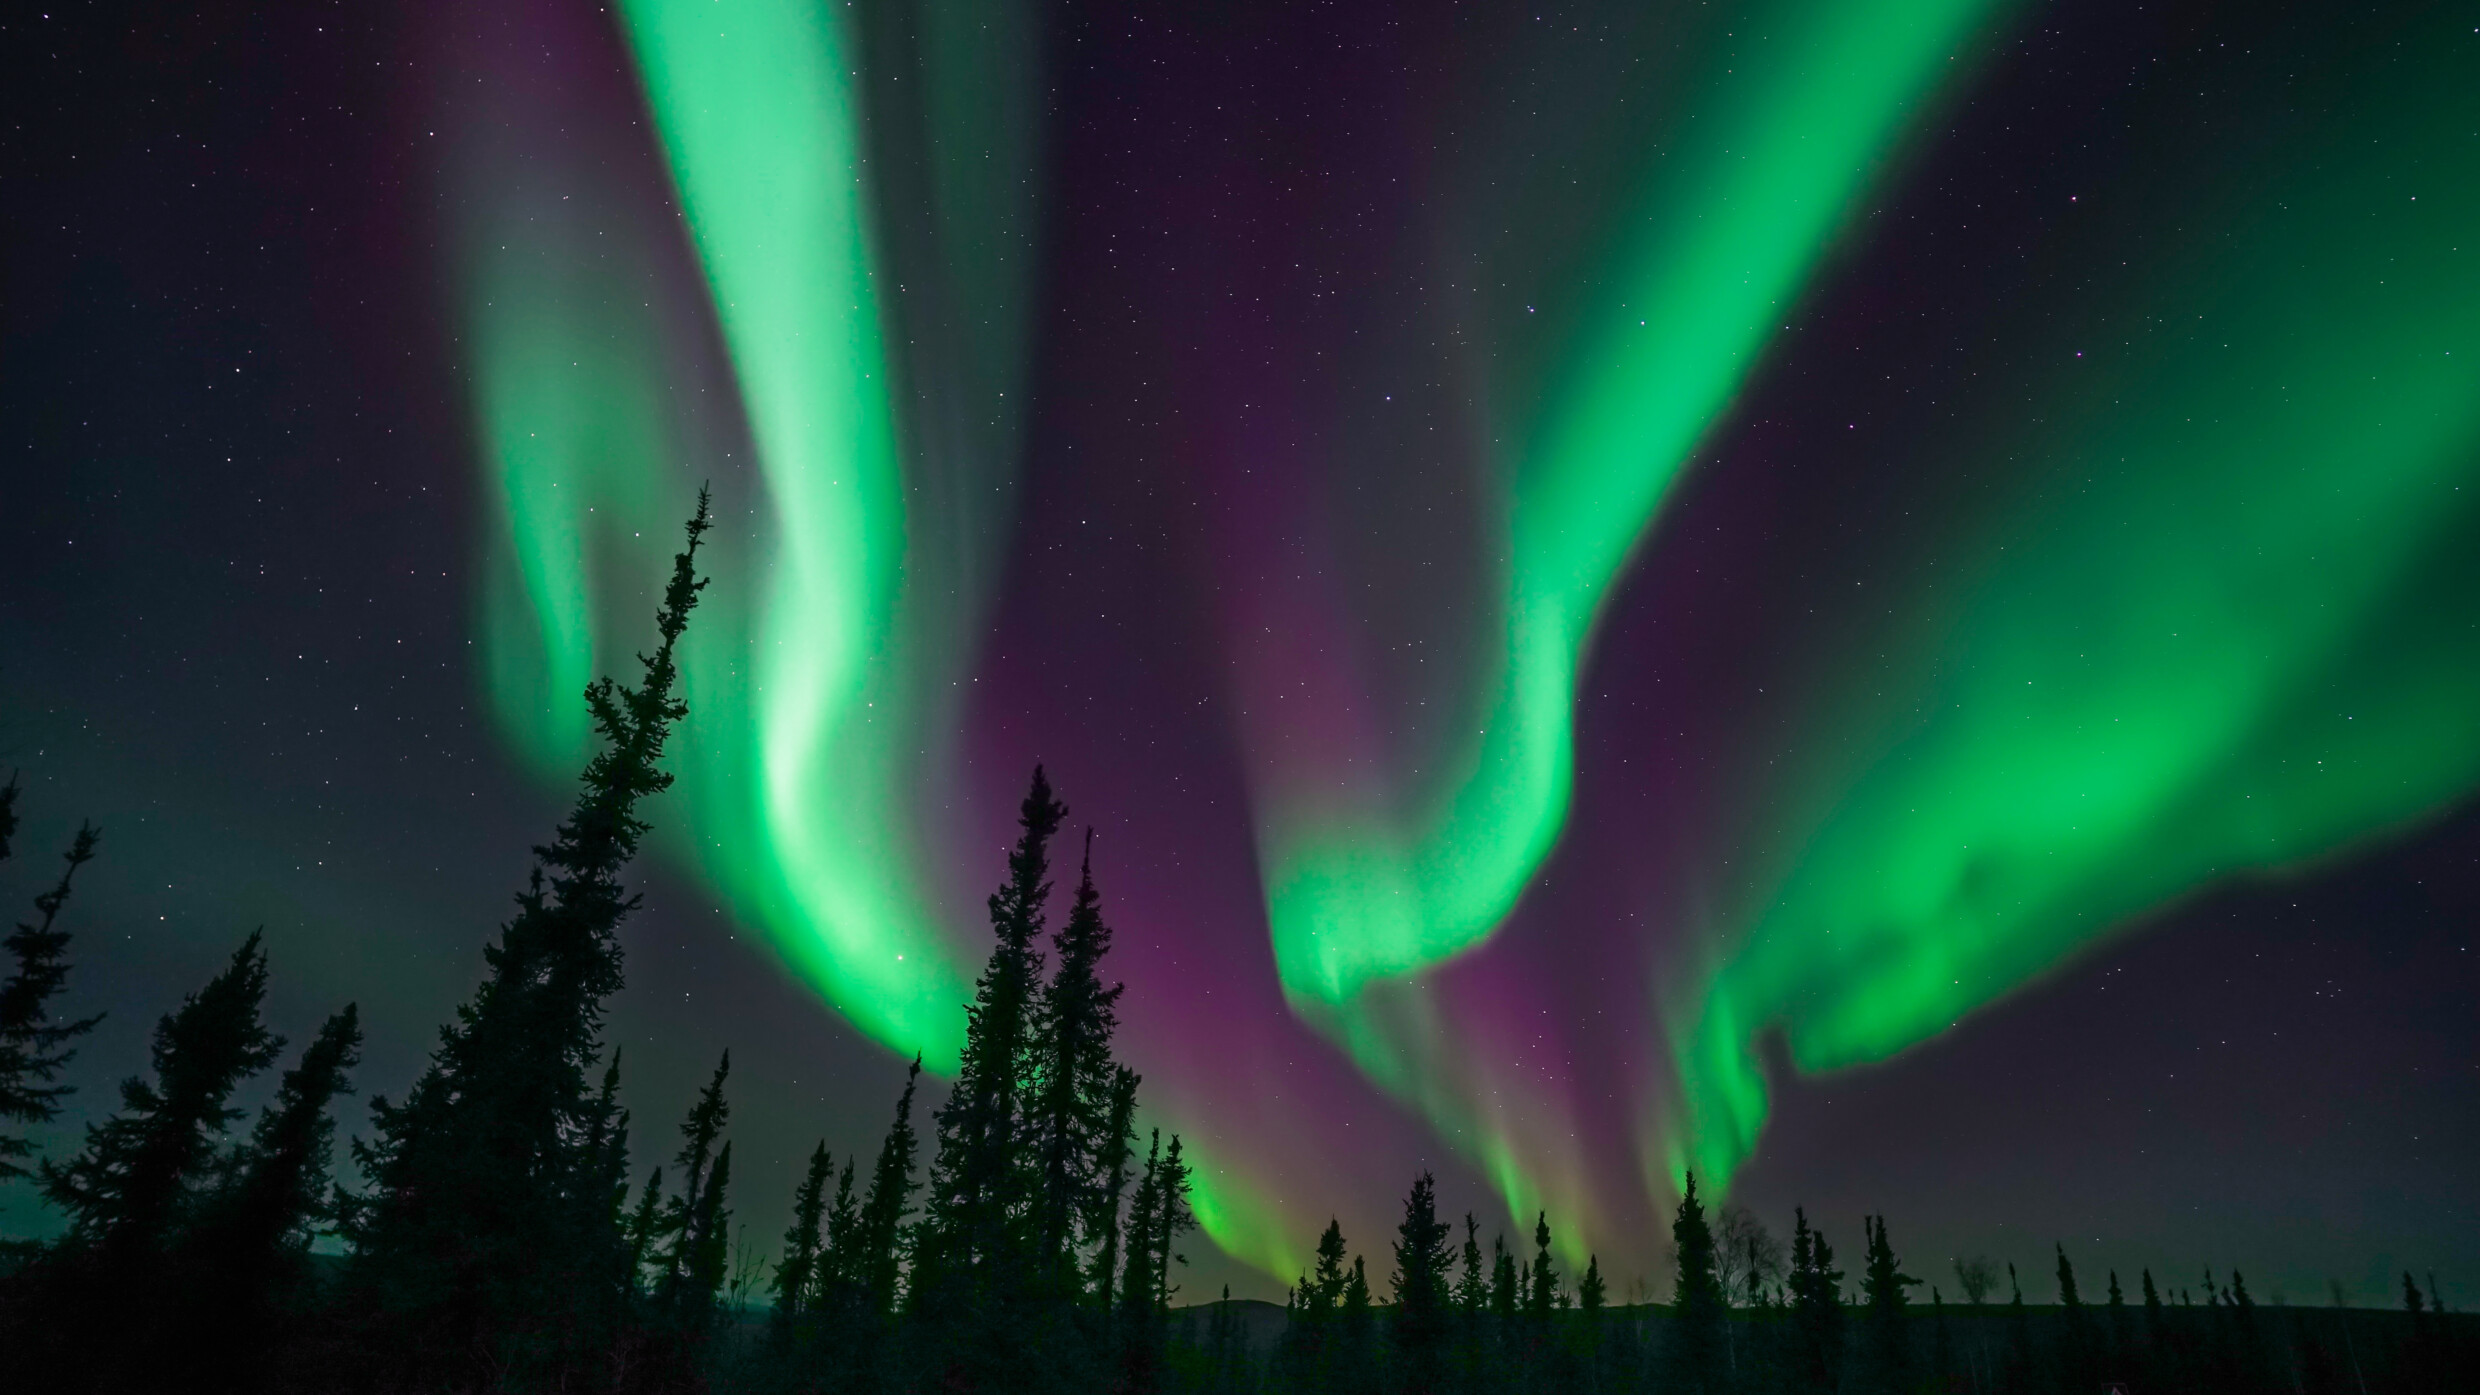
240 1271
1140 1298
1942 1372
705 1247
876 1263
644 1231
1506 1285
1419 1330
2116 1339
691 1225
1326 1283
1311 1336
968 1252
1355 1363
2155 1319
1886 1368
1694 1356
2076 1338
1117 1150
796 1274
1472 1288
842 1229
138 1182
1472 1308
125 1191
34 1048
1816 1309
1075 1104
490 1234
603 1170
2021 1367
1172 1219
1541 1281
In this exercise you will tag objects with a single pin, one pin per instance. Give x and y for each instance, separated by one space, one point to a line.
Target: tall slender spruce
1886 1365
141 1168
241 1269
1422 1292
34 1045
796 1274
489 1235
1697 1365
1073 1110
693 1263
970 1248
876 1259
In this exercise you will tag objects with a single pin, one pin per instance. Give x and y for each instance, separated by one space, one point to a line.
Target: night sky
1879 600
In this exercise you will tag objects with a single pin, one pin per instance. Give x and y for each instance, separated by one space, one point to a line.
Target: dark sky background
242 511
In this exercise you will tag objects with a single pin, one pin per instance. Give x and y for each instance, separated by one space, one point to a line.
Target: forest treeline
1022 1237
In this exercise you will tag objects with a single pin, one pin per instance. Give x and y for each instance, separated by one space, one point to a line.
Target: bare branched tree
1976 1276
1747 1256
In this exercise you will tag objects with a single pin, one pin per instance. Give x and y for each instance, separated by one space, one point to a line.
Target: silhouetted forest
1024 1236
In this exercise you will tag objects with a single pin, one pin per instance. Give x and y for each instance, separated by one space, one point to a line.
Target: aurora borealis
1604 575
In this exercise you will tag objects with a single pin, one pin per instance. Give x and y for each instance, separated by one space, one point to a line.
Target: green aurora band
2224 629
758 115
1733 222
2229 627
1776 142
822 678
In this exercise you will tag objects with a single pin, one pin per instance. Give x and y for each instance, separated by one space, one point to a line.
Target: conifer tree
1354 1367
1172 1219
1541 1283
1320 1307
134 1192
1888 1365
1816 1309
1136 1285
1219 1346
1421 1291
1942 1343
243 1264
834 1282
1472 1290
877 1233
2117 1336
1102 1221
2153 1313
644 1232
2018 1331
704 1247
2423 1355
1505 1283
684 1216
797 1272
2247 1351
34 1048
1591 1293
2075 1356
125 1192
1075 1018
1696 1339
604 1174
970 1247
1157 1218
489 1235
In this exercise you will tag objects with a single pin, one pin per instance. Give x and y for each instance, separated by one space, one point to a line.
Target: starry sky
1879 601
